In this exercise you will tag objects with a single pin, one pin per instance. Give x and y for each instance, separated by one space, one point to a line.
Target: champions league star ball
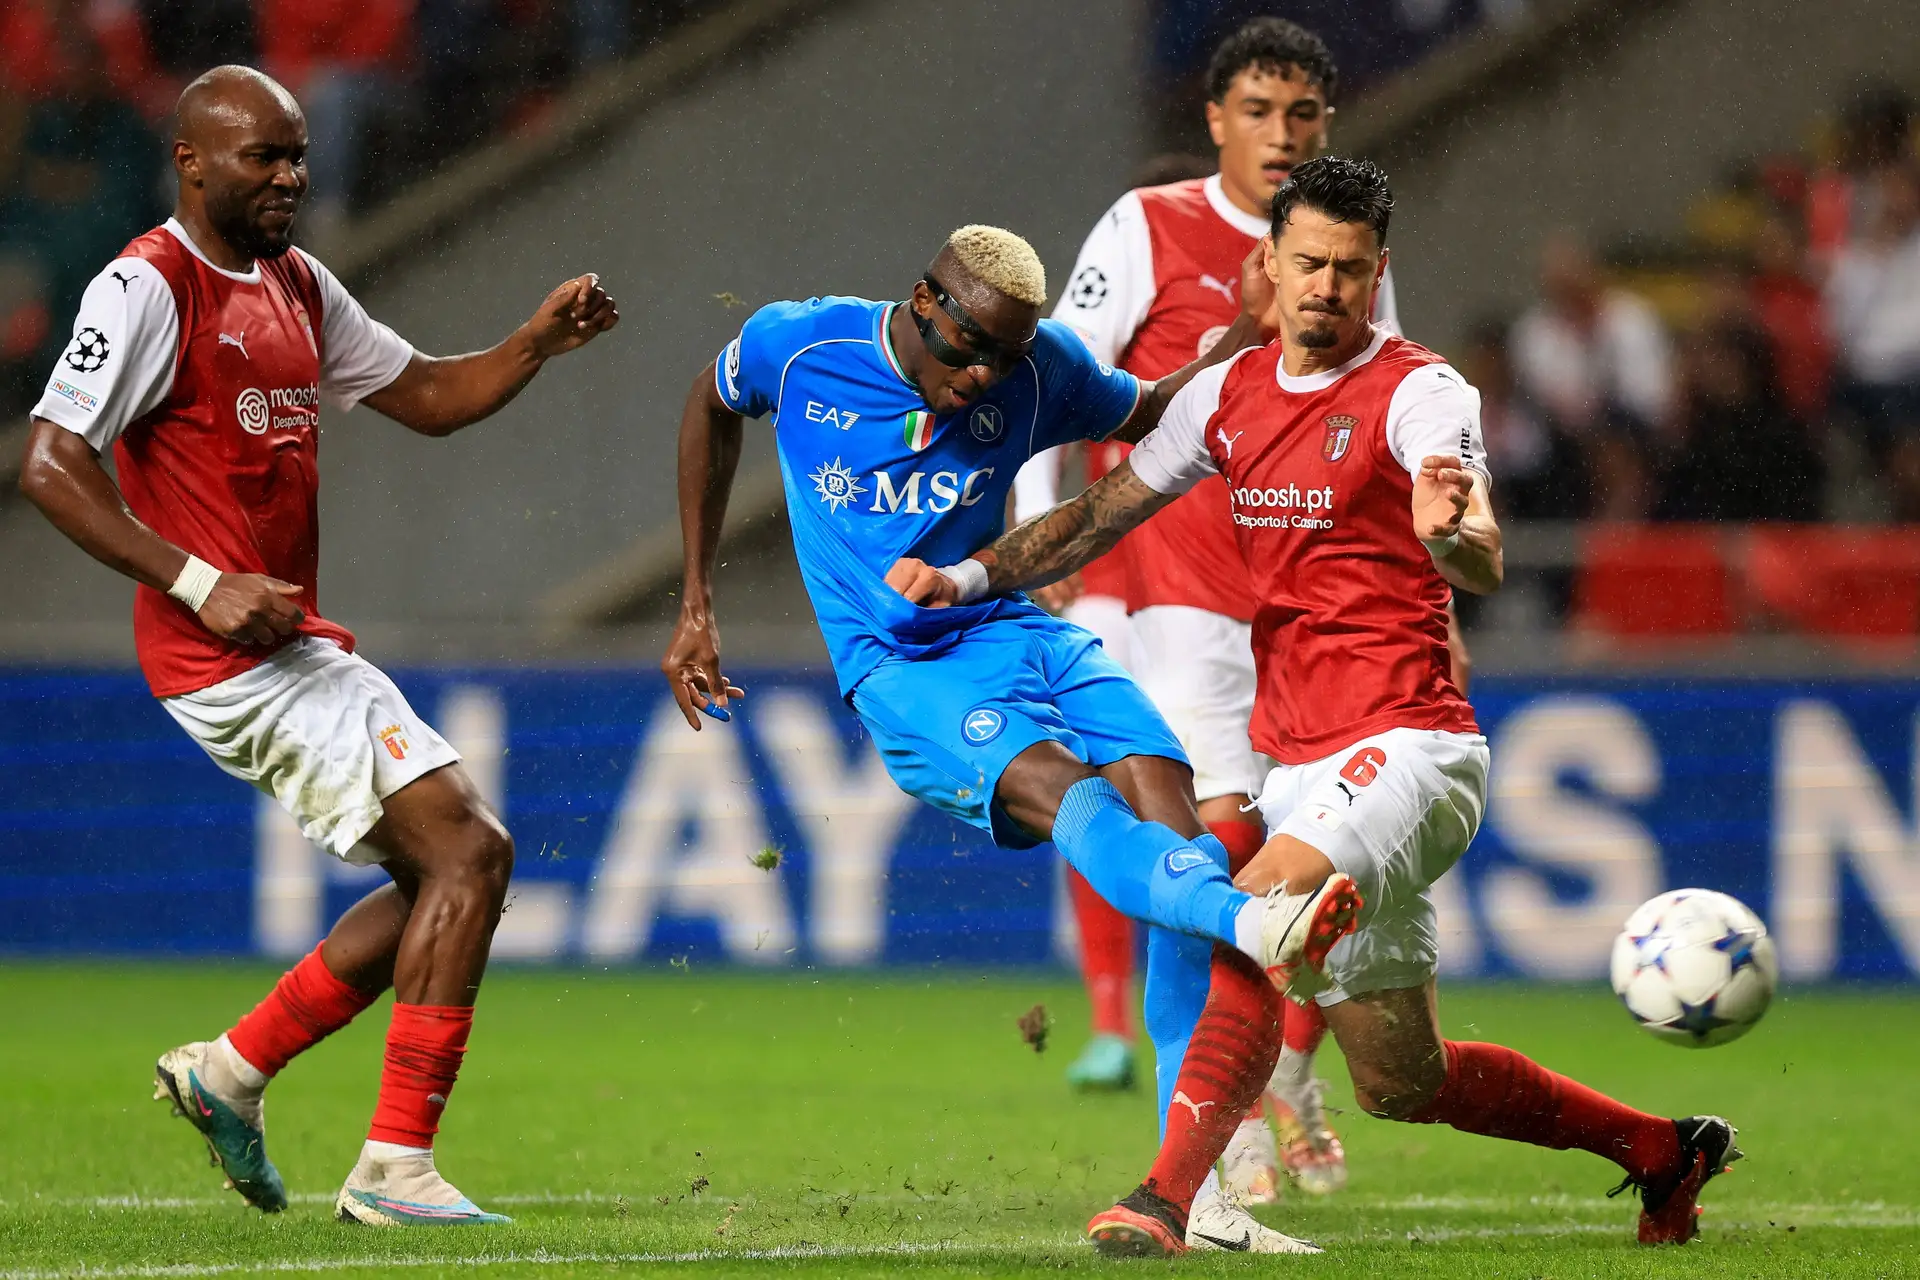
1695 967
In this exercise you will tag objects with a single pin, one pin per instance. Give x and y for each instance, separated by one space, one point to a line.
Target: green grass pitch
676 1122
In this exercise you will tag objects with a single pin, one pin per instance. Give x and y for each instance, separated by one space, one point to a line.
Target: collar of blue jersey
884 340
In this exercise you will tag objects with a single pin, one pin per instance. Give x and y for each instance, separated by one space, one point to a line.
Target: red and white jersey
207 384
1156 284
1350 624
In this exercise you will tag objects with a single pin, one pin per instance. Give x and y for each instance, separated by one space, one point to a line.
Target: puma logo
124 280
1348 792
1219 286
229 340
1227 441
1180 1097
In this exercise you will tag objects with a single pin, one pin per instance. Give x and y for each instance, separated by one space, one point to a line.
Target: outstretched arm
710 437
1042 550
438 395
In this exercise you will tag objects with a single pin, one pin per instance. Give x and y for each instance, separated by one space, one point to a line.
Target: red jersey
207 383
1350 624
1156 285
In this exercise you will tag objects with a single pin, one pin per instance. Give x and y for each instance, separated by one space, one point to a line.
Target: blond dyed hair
1002 261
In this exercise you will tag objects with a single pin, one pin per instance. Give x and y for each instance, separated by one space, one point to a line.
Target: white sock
244 1073
1246 927
1294 1083
1209 1188
1291 1074
386 1151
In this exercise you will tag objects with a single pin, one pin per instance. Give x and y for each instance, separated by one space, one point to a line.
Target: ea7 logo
1339 436
841 418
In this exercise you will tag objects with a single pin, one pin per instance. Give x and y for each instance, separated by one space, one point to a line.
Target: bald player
201 356
900 427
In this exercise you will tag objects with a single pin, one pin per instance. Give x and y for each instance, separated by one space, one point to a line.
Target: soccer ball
1695 967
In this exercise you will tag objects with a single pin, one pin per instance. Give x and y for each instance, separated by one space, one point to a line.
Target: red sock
1242 839
306 1006
424 1048
1492 1090
1303 1026
1106 957
1232 1053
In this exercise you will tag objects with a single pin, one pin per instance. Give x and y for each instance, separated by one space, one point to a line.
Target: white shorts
1198 669
1107 618
320 730
1395 812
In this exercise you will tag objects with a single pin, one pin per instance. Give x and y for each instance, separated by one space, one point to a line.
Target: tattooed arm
1044 549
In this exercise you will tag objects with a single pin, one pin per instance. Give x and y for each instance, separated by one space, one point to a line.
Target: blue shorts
948 725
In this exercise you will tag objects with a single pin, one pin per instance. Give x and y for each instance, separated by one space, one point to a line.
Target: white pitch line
1865 1210
542 1257
536 1257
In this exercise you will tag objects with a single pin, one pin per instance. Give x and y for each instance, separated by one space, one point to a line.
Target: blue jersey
872 475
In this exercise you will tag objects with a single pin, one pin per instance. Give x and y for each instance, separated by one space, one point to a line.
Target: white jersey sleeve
1112 283
1174 458
120 363
1037 486
1386 305
1436 411
360 354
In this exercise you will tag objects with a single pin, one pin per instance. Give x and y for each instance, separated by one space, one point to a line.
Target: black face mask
986 351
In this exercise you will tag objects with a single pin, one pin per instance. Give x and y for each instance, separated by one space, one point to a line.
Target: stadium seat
1653 582
1846 583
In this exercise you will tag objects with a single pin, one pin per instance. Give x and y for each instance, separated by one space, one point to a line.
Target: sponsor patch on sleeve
730 371
81 399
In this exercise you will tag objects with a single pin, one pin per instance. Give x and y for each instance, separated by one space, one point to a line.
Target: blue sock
1179 974
1179 971
1143 868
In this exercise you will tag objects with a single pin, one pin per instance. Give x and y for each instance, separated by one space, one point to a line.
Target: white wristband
969 575
195 583
1440 548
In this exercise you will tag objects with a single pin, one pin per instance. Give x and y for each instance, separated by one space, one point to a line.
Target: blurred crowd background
1758 361
392 89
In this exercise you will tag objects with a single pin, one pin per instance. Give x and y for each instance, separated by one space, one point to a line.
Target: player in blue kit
900 427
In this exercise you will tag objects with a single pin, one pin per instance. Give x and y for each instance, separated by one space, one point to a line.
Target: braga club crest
1339 436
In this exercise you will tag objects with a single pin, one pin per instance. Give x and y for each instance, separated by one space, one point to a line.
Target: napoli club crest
1339 436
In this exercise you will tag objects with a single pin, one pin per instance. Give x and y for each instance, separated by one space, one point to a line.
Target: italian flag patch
919 430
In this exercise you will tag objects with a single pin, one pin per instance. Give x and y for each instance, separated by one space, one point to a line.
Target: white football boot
399 1187
1297 931
1250 1166
1310 1151
1219 1223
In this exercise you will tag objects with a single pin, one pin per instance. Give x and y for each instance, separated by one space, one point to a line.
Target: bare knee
490 859
474 864
1402 1090
1033 785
